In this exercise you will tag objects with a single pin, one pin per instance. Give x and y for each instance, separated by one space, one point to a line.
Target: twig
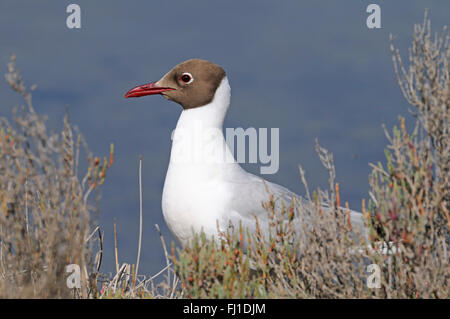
165 252
305 184
115 246
100 238
140 217
117 277
154 276
26 204
92 234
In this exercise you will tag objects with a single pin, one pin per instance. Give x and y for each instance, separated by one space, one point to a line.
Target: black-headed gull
205 188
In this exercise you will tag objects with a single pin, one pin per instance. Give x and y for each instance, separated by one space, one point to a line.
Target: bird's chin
167 97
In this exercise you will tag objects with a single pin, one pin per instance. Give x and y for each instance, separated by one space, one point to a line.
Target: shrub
45 217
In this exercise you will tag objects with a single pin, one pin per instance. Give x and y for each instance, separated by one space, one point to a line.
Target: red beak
146 89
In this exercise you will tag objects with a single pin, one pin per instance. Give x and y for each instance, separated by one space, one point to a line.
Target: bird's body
205 188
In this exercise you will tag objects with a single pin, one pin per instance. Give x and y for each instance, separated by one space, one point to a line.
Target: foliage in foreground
44 212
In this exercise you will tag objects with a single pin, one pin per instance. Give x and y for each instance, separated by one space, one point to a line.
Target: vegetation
44 216
46 221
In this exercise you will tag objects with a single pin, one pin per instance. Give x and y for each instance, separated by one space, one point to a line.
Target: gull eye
186 78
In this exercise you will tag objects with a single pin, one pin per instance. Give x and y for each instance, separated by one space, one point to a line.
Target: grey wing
249 194
251 191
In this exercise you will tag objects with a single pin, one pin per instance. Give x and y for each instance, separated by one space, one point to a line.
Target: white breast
195 194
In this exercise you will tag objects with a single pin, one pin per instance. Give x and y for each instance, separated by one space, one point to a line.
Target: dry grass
44 211
46 220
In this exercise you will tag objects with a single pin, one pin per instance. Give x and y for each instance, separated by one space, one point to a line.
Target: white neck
212 114
198 137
